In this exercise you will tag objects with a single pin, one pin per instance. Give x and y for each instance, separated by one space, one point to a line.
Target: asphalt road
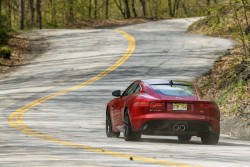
52 110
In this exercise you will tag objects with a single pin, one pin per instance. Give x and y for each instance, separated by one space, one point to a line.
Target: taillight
143 104
156 106
209 109
152 106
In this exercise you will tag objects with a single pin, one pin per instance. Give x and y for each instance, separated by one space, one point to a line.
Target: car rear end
178 111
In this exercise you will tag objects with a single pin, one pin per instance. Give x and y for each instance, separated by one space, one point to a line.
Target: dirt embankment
19 46
229 84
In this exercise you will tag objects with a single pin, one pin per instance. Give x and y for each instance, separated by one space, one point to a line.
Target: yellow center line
16 118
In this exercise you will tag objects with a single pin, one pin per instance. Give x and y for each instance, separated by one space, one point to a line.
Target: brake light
156 106
144 104
209 108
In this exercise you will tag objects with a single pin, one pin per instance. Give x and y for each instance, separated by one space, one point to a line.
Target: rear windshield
174 90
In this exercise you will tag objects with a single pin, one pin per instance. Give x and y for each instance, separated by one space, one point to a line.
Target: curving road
53 108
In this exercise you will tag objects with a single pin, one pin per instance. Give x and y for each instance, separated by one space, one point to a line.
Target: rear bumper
166 127
174 124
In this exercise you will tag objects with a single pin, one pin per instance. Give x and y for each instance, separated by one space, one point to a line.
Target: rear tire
210 138
109 131
184 139
129 134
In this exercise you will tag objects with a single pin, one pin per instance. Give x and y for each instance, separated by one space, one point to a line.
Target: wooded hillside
24 14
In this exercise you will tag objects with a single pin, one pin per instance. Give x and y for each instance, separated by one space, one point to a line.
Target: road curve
53 108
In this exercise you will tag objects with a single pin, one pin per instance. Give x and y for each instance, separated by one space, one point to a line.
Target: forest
26 14
223 16
226 17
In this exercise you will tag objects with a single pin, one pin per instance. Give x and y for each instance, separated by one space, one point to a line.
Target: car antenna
171 83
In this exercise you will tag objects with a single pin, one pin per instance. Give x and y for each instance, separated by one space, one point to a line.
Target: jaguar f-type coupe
163 107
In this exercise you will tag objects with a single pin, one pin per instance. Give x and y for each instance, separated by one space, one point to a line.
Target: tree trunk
143 6
237 20
90 9
95 12
21 14
176 7
9 14
119 6
53 12
32 13
244 3
133 9
170 8
127 9
185 9
107 9
156 8
71 11
0 12
208 7
0 9
39 14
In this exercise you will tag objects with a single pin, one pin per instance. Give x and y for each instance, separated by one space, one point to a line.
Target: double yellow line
16 118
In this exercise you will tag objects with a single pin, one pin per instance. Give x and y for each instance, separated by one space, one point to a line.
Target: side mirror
116 93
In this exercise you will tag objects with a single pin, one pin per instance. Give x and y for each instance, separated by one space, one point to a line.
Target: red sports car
162 107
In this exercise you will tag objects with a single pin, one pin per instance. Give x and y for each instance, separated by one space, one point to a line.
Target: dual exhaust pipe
177 127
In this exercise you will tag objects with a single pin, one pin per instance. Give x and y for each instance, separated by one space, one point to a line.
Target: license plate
179 106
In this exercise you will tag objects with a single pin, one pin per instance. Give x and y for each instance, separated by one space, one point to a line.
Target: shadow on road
196 142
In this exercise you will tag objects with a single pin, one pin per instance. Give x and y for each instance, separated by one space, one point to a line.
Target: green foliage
5 52
4 30
61 13
51 25
4 36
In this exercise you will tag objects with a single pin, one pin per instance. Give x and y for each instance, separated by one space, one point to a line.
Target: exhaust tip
182 128
176 127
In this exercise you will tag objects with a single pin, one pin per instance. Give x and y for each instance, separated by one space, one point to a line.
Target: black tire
109 131
210 138
130 135
184 139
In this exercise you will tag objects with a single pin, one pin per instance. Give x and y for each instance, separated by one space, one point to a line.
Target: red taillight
209 109
207 106
143 104
152 106
156 106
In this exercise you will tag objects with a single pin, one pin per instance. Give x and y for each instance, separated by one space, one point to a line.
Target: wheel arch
126 109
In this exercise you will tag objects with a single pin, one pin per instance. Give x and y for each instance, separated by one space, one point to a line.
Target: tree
90 9
39 14
119 6
134 9
0 12
173 8
71 11
32 13
95 11
21 14
156 8
107 9
0 9
127 9
143 6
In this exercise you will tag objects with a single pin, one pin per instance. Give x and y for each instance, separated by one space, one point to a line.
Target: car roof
167 82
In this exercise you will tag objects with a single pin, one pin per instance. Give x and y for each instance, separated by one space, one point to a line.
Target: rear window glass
174 90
